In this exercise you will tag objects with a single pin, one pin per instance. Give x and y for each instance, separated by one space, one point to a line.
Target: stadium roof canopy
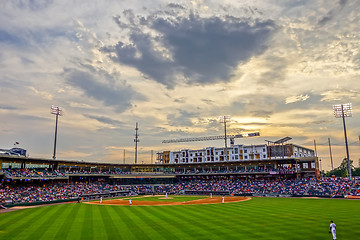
282 140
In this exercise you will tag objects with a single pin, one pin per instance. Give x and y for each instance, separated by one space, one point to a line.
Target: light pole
342 111
224 119
332 165
58 111
136 140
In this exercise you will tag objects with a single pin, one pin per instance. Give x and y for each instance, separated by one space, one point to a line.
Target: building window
246 157
245 151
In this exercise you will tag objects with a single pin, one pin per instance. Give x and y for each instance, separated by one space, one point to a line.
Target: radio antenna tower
136 140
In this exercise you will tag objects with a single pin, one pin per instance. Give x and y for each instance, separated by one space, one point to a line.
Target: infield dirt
213 200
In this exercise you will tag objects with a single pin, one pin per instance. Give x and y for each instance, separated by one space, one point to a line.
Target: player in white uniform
333 229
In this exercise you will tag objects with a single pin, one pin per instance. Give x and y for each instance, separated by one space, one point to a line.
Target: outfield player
333 229
130 202
223 199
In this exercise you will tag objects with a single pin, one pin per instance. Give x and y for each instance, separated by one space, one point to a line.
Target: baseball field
257 218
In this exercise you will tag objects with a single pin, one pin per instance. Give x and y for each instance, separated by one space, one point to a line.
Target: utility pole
152 153
136 140
124 156
315 148
317 160
225 119
332 165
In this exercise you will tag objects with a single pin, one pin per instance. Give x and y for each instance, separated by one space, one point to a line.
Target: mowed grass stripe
125 228
18 227
259 218
184 230
87 225
12 217
214 219
57 222
110 227
150 231
174 212
99 231
45 222
154 222
122 229
274 222
303 218
67 221
232 220
189 214
135 231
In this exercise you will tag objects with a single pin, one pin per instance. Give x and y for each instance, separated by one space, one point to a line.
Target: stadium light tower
57 111
136 140
225 119
342 111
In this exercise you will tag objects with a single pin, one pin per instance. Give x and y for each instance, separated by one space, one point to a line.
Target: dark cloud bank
202 50
114 95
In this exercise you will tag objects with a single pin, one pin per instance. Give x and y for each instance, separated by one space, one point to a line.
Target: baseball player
333 229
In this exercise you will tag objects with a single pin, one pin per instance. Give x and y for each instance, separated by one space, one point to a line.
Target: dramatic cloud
182 118
110 94
276 67
105 120
199 49
276 70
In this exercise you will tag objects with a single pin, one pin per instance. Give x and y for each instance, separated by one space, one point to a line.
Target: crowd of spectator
48 173
330 187
54 191
32 173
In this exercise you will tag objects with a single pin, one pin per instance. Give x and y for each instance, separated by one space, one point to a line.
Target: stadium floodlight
342 111
225 119
57 111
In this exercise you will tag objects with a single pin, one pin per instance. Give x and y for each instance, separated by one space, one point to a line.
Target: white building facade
236 153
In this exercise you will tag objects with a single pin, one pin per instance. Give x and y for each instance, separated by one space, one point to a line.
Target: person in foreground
332 229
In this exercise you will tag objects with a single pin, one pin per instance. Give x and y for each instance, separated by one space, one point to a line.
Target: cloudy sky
275 66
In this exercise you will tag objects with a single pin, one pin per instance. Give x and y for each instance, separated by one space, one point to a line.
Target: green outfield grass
258 218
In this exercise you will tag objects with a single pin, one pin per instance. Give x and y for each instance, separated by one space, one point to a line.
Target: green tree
342 170
356 172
